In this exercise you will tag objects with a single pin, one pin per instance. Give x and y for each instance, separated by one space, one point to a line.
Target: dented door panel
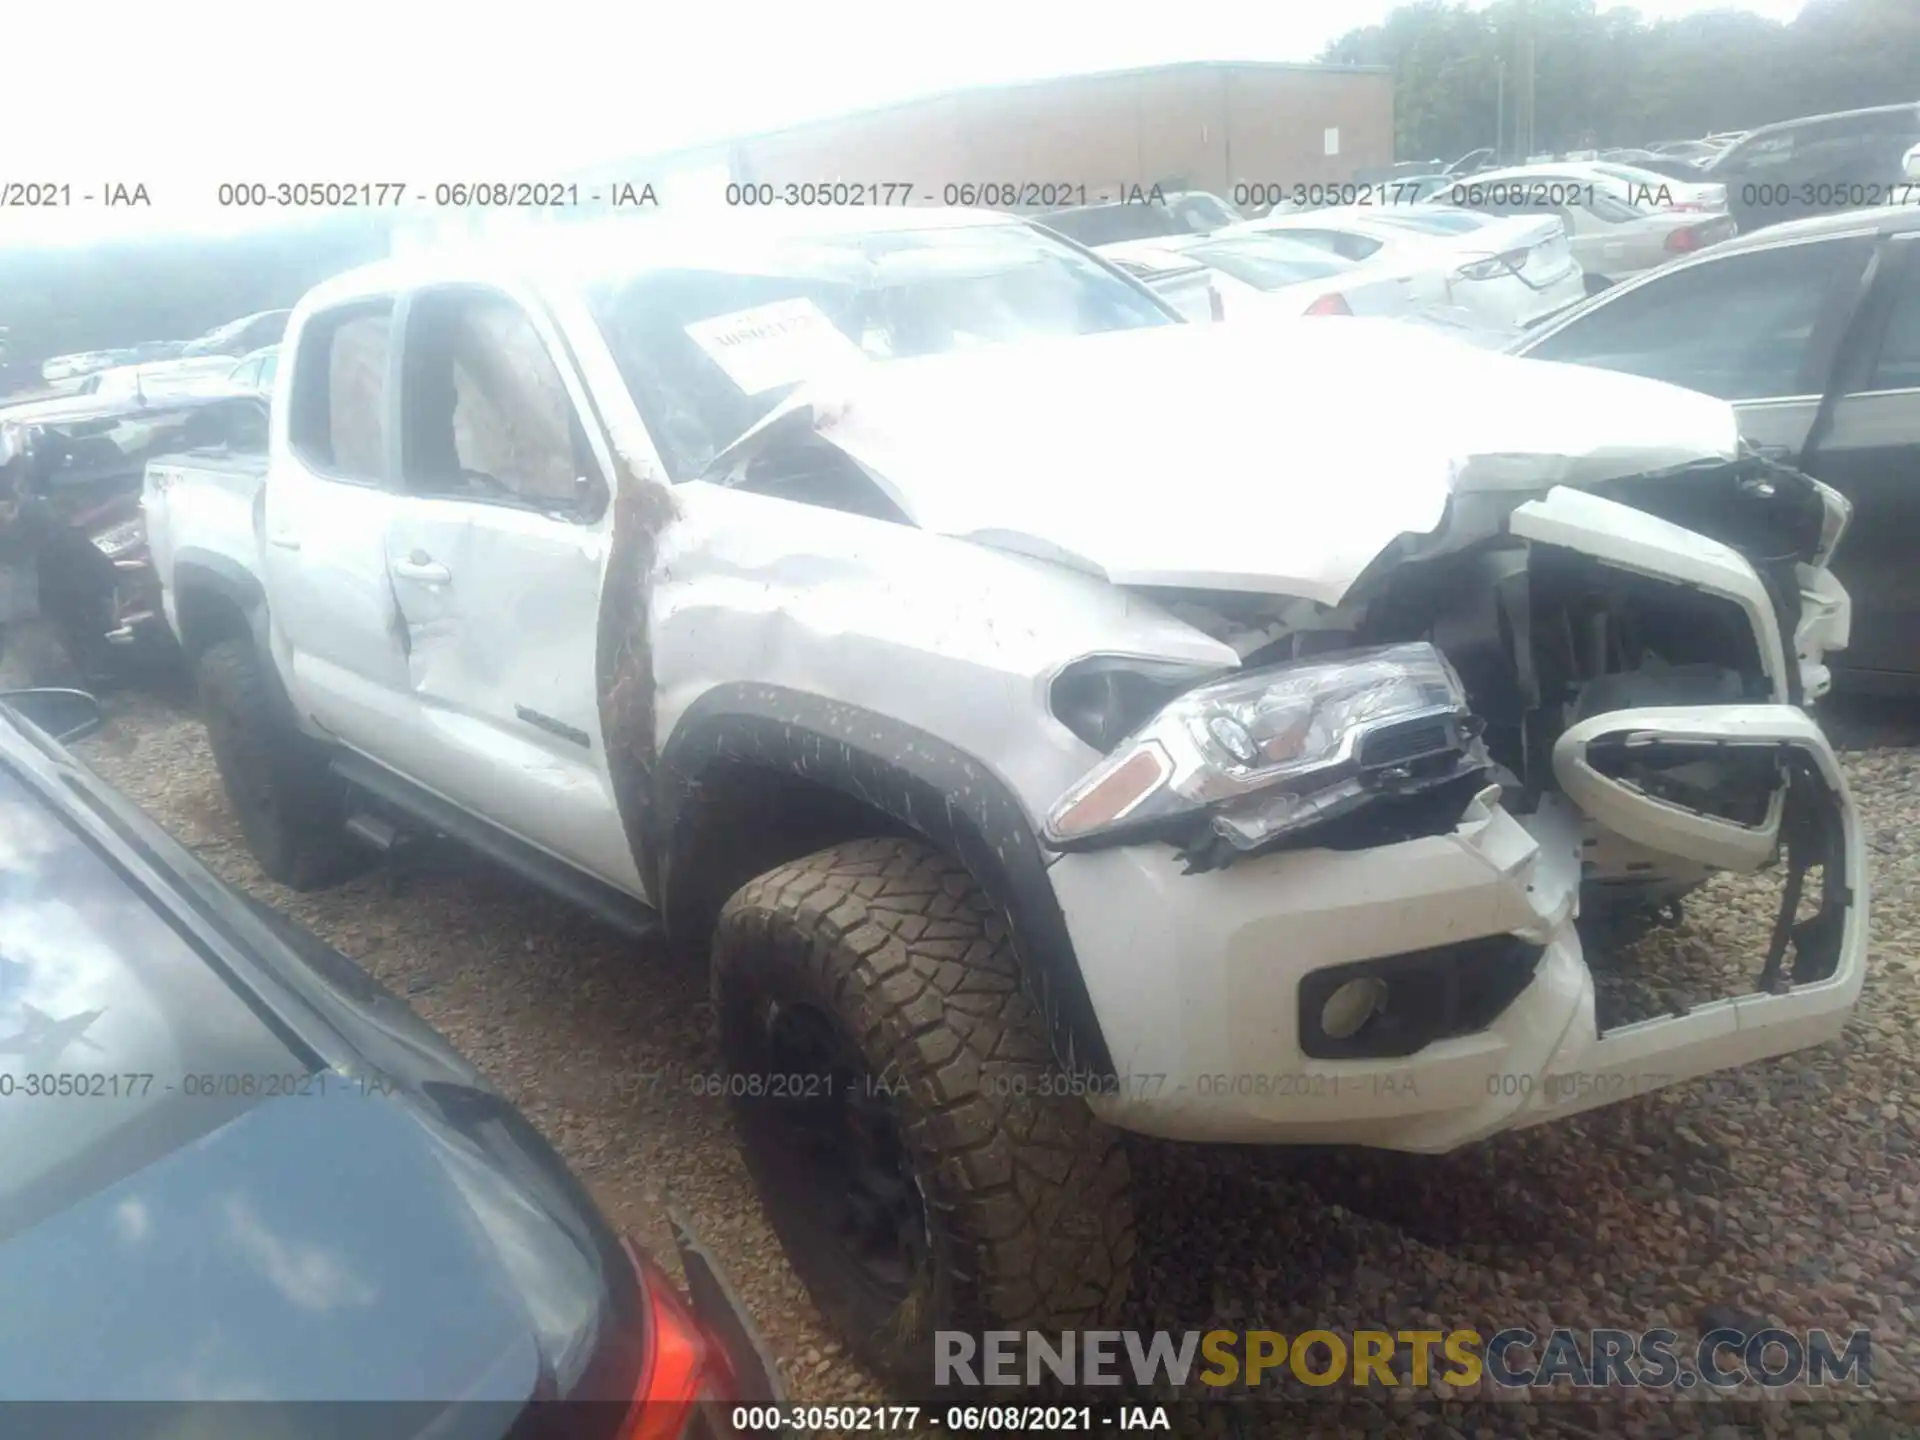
498 587
500 663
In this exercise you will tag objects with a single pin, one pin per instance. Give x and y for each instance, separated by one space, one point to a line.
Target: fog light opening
1352 1006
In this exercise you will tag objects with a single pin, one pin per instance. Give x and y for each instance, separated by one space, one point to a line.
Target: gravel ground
1787 1190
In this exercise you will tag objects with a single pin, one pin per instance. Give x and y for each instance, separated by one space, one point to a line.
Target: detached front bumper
1197 979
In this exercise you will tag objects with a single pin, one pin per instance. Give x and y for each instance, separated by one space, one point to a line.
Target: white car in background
1650 190
67 367
199 376
1504 275
1187 285
255 371
1610 237
1251 274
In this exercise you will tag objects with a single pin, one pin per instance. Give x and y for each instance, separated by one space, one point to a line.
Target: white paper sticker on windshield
776 344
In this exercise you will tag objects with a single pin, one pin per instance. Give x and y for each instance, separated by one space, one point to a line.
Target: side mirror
66 715
1910 163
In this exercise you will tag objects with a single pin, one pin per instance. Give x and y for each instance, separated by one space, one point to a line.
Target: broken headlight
1104 698
1261 755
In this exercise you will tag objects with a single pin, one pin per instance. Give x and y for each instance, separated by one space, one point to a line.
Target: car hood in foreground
1273 456
248 1173
311 1249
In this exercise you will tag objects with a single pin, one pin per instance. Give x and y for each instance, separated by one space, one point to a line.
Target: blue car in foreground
245 1190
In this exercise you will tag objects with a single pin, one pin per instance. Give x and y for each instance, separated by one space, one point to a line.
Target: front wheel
900 1112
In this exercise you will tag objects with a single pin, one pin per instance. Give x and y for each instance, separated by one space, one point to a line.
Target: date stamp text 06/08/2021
562 194
1145 1087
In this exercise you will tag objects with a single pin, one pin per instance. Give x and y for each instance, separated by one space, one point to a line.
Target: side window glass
1898 367
1356 247
247 429
233 427
337 420
1760 157
488 416
1737 328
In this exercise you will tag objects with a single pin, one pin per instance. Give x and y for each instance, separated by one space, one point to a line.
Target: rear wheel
290 806
901 1114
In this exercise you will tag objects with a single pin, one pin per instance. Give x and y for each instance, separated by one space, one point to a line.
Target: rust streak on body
623 653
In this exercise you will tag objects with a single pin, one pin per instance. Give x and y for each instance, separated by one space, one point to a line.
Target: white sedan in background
1187 285
1251 274
1609 237
1505 275
1650 190
203 375
1242 277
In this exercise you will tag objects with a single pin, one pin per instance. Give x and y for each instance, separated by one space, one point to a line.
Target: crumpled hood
1276 457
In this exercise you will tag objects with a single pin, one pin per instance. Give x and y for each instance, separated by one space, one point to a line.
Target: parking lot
1787 1190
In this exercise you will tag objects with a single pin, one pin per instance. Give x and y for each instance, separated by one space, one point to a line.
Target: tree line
1614 78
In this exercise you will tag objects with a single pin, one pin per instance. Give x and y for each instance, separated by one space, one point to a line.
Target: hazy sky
184 95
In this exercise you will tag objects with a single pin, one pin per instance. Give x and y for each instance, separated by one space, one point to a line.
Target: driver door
496 549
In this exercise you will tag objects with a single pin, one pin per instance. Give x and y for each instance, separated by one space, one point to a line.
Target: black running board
611 907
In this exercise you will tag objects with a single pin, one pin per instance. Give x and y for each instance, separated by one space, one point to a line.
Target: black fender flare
204 571
914 778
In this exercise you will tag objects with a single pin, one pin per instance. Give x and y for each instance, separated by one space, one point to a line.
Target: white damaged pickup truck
1050 721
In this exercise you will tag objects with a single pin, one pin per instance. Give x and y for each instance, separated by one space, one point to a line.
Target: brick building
1201 126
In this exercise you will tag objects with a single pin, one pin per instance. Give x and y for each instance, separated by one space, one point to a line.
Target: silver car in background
1508 274
1610 237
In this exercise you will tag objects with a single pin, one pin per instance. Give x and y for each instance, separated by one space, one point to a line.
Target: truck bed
201 504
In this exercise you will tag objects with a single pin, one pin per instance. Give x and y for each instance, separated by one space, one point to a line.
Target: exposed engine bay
1545 638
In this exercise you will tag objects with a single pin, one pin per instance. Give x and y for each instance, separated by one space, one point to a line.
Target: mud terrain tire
290 807
1024 1197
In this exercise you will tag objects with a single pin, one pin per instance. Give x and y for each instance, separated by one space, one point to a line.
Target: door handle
422 567
284 542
